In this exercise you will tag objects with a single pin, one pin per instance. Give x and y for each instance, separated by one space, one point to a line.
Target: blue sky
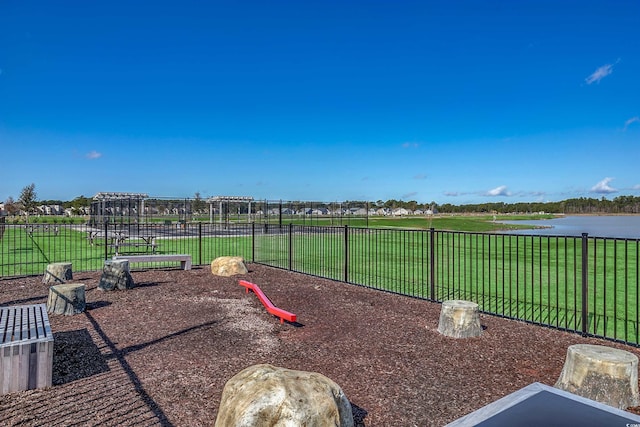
447 101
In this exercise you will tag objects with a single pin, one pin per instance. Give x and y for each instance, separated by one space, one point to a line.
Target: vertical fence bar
106 239
290 246
585 266
432 265
346 253
253 242
199 243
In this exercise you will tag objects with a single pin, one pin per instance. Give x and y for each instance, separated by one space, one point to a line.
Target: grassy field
534 278
470 223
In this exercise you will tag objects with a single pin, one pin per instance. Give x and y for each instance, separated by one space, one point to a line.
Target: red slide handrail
282 314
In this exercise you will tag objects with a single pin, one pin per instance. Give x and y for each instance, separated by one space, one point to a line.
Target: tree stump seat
58 272
604 374
460 319
67 299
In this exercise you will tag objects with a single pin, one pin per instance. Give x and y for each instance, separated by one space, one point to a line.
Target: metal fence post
346 253
106 239
290 246
253 242
432 264
200 243
585 278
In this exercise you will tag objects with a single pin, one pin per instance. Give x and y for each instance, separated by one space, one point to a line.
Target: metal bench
185 259
26 348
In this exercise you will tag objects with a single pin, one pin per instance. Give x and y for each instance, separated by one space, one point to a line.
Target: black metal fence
583 284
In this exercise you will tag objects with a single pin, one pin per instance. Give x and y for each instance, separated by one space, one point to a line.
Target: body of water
626 227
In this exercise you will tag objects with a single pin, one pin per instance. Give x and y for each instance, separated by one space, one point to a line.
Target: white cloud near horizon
603 187
600 73
91 155
632 120
499 191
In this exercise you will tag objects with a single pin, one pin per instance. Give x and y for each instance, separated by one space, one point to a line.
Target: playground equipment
282 314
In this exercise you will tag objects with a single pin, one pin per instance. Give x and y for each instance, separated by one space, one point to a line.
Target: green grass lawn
534 278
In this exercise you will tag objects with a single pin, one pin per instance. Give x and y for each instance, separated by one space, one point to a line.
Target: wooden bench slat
4 318
26 350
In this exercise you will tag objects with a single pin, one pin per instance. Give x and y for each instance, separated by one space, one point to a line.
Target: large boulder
266 395
228 266
116 275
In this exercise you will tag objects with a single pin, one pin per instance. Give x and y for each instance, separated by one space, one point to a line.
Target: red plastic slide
282 314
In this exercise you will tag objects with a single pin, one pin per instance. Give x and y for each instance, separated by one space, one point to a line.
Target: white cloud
632 120
603 187
499 191
600 73
93 155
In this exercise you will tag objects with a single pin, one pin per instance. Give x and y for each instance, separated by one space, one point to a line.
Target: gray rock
116 275
266 395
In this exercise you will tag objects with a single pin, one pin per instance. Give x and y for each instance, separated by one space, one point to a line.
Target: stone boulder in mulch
116 274
228 266
269 395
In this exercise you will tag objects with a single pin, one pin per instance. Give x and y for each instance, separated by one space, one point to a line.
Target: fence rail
589 285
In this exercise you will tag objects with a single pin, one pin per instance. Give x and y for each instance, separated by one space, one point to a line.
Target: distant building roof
119 196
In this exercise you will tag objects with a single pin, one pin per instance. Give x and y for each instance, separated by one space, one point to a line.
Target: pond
620 226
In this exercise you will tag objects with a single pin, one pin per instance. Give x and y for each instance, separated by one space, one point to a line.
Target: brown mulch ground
161 353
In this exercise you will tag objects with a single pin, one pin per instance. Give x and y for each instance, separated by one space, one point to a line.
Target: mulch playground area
161 353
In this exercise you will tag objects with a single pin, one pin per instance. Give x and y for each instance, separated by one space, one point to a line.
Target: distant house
316 211
358 211
50 210
400 212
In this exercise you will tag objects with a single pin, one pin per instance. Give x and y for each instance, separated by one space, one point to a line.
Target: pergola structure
227 199
107 206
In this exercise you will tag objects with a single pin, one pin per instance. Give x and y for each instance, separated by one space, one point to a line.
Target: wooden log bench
26 348
185 259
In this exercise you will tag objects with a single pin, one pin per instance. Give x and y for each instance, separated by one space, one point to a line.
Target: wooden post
67 299
604 374
460 319
58 272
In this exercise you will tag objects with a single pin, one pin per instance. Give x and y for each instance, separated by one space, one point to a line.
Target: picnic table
41 228
109 236
148 241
